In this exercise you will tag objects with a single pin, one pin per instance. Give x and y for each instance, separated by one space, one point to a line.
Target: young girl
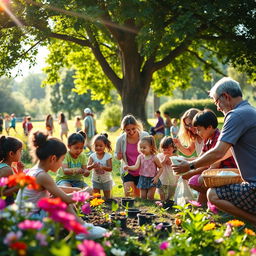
10 152
150 168
74 165
167 178
50 152
101 162
49 124
63 126
78 124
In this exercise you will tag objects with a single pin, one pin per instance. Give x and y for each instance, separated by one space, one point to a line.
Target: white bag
183 193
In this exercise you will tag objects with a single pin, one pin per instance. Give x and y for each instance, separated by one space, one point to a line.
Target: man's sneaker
94 232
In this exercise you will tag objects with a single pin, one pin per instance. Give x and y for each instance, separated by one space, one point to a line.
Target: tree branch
206 63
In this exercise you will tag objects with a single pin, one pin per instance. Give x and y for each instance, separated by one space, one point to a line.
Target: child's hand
155 180
20 166
86 173
126 167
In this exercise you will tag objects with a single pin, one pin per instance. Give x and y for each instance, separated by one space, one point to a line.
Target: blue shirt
239 129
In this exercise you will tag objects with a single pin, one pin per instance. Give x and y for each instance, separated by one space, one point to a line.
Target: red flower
22 180
76 227
18 246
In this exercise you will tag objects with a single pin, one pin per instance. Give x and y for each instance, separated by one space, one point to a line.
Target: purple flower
164 245
195 203
30 224
219 241
2 204
212 207
12 237
159 226
3 181
228 231
42 239
80 196
91 248
86 208
159 203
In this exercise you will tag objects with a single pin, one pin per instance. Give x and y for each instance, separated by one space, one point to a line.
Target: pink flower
253 252
80 196
159 226
51 204
62 216
231 253
30 224
2 204
12 237
42 239
164 245
108 244
91 248
76 227
212 207
86 208
107 234
228 231
219 241
159 203
3 181
195 203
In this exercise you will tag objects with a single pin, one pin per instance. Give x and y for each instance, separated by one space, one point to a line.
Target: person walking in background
159 128
63 126
78 124
49 124
29 125
89 128
167 124
24 122
13 122
1 124
174 128
127 152
7 123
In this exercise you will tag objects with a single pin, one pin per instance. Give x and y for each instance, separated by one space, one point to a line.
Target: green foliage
177 107
111 116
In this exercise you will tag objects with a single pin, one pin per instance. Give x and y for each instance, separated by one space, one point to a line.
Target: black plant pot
117 217
132 212
168 204
110 201
145 218
127 201
167 227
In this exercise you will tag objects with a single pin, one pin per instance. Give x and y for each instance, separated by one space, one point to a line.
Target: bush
177 107
111 116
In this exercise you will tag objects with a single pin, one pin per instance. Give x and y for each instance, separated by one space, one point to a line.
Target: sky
24 69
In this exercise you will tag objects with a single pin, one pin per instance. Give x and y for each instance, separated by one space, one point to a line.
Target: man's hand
180 168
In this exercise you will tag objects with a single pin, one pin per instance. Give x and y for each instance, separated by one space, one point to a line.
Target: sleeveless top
31 195
131 156
147 167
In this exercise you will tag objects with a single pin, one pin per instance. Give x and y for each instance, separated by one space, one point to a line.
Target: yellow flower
249 232
96 202
123 213
209 226
236 223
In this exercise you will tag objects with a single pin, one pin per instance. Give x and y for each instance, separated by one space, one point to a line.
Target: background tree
131 42
64 98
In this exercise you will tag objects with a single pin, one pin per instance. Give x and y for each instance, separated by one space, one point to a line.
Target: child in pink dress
150 168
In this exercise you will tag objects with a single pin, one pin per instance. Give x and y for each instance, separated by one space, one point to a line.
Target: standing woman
49 124
188 136
63 126
127 151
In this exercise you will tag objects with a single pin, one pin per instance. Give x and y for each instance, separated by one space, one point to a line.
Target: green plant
111 116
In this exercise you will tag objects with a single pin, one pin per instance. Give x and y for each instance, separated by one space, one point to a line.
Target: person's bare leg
106 194
129 189
228 207
161 194
143 193
96 190
136 192
151 193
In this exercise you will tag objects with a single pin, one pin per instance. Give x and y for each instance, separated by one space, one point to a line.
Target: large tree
129 43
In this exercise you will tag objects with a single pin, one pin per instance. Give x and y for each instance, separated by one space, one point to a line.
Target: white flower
117 252
13 207
29 205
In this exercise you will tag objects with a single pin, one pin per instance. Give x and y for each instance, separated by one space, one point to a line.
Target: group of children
7 123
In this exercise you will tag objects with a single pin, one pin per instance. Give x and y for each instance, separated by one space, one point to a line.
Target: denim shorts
106 186
72 183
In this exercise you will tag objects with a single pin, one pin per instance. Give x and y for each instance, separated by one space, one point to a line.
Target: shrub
111 116
177 107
